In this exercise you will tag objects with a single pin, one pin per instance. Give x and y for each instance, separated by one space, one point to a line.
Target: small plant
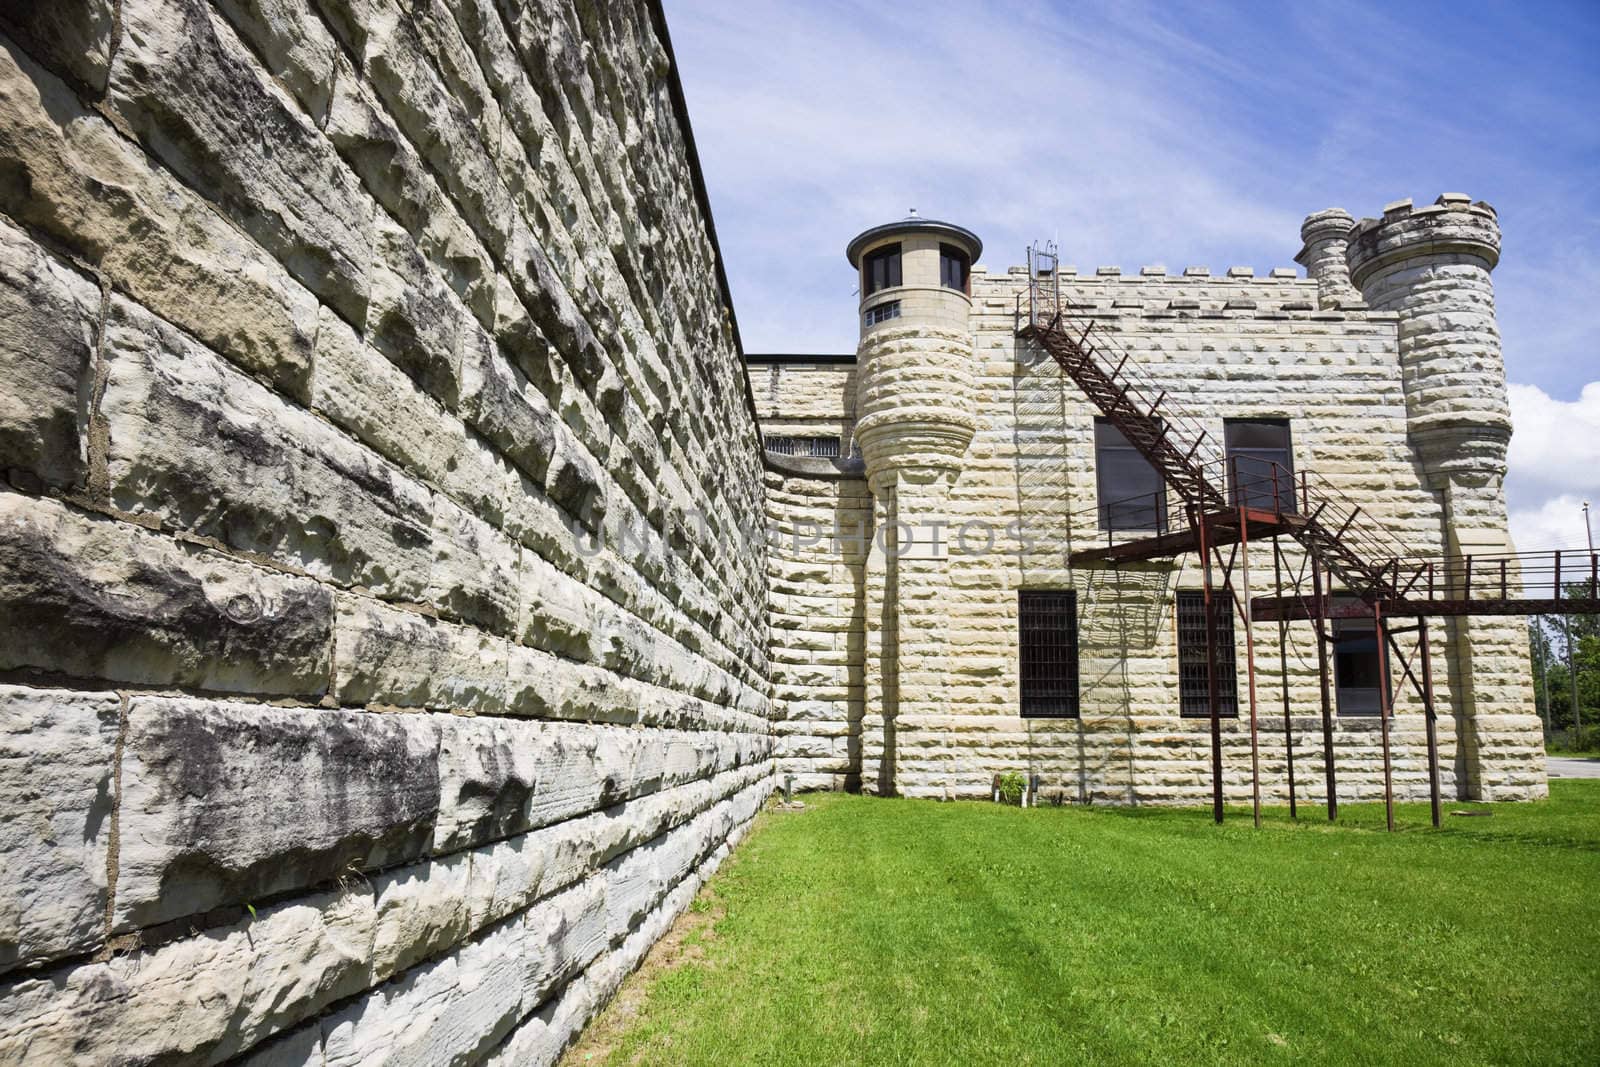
1011 784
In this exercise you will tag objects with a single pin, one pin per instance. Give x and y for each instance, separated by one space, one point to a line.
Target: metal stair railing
1335 531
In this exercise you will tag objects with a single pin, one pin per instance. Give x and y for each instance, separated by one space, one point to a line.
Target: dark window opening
880 269
1194 694
1356 677
955 268
1261 463
1128 489
1047 623
889 309
819 447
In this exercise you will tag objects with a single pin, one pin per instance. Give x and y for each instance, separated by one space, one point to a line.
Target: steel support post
1427 707
1250 665
1384 707
1283 673
1211 666
1319 616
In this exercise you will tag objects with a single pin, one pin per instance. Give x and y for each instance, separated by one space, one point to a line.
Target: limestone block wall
820 531
366 691
807 399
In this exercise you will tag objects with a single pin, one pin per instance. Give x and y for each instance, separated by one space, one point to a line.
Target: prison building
978 566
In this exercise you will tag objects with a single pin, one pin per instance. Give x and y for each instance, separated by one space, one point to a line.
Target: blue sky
1173 134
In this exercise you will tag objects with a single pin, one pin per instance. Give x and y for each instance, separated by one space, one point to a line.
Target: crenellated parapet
1431 266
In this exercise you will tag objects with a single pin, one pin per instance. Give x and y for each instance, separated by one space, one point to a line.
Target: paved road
1564 767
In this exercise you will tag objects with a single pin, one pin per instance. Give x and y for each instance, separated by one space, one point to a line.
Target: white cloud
1557 523
1555 448
1554 467
1176 134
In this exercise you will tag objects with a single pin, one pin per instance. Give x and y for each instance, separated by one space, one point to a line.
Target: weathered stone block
95 598
224 803
519 335
537 522
415 318
474 573
57 748
74 40
300 1047
504 407
414 95
557 612
373 399
379 153
195 96
453 1010
73 177
48 328
563 935
422 911
575 480
206 449
488 772
391 656
199 1000
297 49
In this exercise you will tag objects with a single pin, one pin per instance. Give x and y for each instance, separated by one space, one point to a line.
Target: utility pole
1572 669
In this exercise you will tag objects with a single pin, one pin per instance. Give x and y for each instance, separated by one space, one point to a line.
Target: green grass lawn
864 931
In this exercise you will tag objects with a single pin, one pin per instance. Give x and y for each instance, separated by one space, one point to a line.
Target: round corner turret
1431 266
914 392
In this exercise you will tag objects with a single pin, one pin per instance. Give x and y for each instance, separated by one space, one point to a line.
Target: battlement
1116 274
1154 292
1452 225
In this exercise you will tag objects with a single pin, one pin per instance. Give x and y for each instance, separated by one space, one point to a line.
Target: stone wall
821 527
807 399
382 602
1227 345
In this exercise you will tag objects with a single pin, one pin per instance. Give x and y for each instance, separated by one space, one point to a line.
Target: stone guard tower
1431 266
914 407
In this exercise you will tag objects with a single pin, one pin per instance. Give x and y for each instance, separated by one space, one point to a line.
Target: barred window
818 447
1194 697
1047 622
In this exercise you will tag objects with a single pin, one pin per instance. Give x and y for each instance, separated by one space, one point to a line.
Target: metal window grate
1194 697
817 447
1047 621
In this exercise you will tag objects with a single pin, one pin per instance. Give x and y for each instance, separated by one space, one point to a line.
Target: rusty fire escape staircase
1226 506
1176 446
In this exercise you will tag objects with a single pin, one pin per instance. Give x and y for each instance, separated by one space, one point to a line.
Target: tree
1552 678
